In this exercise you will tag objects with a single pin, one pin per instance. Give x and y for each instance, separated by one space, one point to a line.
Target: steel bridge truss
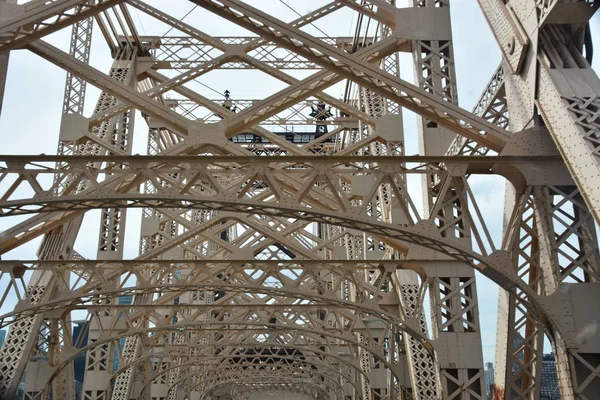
306 271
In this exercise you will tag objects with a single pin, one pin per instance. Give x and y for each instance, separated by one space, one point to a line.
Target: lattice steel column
387 139
549 76
375 106
520 337
49 336
453 290
57 243
422 382
423 373
81 40
519 342
73 105
123 382
390 141
552 236
110 136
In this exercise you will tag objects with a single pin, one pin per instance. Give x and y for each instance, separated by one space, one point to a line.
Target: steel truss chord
493 106
112 87
271 263
168 52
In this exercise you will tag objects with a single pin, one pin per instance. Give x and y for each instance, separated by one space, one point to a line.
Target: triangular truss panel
289 247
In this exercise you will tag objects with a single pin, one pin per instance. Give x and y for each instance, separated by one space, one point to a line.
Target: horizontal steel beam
184 264
317 159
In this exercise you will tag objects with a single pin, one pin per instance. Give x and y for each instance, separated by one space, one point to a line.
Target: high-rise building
489 380
80 339
2 336
549 387
124 300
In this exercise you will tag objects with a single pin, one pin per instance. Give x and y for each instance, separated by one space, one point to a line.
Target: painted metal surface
279 261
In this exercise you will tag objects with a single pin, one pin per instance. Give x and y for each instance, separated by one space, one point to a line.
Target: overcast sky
34 91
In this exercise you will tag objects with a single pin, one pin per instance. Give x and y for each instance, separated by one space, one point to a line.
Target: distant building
489 379
80 339
124 300
549 389
518 342
549 386
2 337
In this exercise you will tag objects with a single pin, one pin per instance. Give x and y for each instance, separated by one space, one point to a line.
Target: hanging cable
140 20
300 15
197 81
208 87
181 20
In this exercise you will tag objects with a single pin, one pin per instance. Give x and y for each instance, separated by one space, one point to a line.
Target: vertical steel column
8 366
520 336
81 41
57 243
155 228
419 362
73 104
550 231
422 368
453 291
114 133
553 241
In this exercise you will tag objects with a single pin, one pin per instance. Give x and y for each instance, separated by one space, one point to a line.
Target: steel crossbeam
283 248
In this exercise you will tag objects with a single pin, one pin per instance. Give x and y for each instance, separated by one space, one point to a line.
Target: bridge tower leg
551 89
116 134
453 290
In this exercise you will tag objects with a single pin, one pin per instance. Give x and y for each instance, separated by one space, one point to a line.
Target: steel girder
209 211
533 36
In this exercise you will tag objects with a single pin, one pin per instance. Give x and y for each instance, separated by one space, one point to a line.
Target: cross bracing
290 246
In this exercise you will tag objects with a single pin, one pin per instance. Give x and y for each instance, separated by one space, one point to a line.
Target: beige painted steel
269 267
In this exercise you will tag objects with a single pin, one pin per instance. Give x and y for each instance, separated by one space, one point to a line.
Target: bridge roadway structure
289 248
